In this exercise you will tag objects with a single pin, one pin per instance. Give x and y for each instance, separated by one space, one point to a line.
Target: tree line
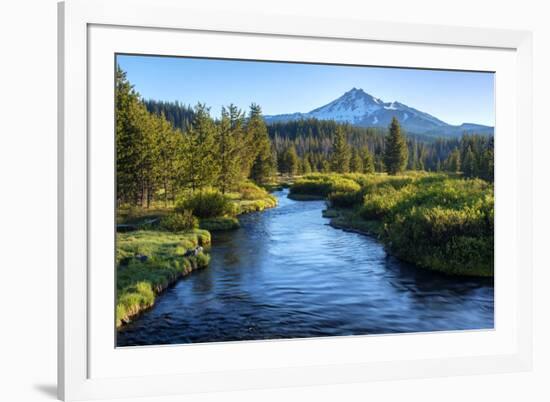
329 146
304 146
157 159
180 115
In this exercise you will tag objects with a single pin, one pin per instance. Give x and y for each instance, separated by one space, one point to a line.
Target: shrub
311 187
220 223
323 185
445 225
179 221
344 185
379 201
447 240
202 260
344 199
247 206
250 191
207 203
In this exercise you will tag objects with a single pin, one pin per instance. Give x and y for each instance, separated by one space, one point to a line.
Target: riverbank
349 219
435 221
153 246
247 198
148 262
305 197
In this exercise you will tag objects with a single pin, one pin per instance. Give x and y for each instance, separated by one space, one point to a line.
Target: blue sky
452 96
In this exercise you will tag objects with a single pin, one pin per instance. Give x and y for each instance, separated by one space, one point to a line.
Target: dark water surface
285 274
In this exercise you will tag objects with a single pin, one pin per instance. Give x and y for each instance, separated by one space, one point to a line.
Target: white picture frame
90 32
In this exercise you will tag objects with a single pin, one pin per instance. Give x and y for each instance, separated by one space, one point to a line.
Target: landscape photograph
265 200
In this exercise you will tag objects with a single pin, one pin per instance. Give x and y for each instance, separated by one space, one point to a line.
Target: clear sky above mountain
452 96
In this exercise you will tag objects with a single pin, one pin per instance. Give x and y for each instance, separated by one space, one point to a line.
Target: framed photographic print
263 201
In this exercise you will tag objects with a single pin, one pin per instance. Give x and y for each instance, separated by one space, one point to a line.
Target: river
287 274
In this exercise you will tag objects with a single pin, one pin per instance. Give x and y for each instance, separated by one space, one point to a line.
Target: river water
287 274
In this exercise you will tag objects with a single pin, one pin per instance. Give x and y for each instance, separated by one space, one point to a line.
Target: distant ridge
364 110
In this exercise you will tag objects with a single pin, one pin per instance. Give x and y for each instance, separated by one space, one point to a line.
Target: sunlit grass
148 262
220 223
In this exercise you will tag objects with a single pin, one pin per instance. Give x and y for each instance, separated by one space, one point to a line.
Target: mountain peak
359 93
351 107
356 92
353 90
360 108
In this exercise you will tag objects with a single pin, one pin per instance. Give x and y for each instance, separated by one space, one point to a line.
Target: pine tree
126 156
412 163
396 153
148 149
469 163
306 165
136 146
379 163
368 161
169 142
247 142
228 155
291 160
453 161
341 155
488 161
199 167
274 161
356 161
263 165
179 115
421 157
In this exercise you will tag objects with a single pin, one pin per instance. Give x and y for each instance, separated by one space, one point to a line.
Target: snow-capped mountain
361 109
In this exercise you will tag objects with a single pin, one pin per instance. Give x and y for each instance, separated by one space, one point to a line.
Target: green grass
220 223
138 282
251 198
323 184
248 206
137 215
436 221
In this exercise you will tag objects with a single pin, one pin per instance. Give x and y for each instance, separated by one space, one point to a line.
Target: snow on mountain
362 109
351 107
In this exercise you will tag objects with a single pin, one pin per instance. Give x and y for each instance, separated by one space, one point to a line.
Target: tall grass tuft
207 203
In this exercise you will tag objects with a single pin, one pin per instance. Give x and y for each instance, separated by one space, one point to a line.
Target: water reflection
287 274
